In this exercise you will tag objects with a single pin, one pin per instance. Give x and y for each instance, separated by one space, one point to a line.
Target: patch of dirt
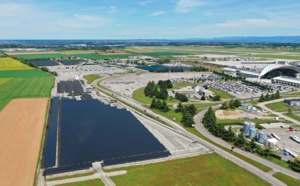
233 114
21 129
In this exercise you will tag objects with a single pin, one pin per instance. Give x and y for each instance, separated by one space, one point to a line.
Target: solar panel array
92 131
42 63
51 138
71 87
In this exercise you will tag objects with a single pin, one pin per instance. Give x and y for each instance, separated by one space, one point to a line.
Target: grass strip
71 176
288 180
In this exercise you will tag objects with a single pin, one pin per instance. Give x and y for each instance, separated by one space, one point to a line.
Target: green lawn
170 115
99 56
293 116
94 182
222 94
280 107
204 105
91 78
139 96
40 56
241 121
24 73
181 84
290 181
72 176
208 169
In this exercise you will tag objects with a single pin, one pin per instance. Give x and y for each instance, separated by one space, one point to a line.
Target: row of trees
188 113
157 104
209 122
269 97
159 90
181 97
231 105
162 70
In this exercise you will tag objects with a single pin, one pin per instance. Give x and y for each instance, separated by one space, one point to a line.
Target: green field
160 54
4 80
7 63
94 182
181 84
139 96
24 73
293 116
99 56
25 88
91 78
290 181
40 56
208 169
222 94
241 121
280 107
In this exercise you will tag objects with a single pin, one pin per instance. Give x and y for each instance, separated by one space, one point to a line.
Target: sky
147 19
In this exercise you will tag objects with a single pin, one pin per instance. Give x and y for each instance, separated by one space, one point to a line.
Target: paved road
275 167
265 176
263 106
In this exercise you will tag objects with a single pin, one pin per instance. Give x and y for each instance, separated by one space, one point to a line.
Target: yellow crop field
7 63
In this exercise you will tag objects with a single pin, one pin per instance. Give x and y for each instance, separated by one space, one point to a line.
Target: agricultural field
102 56
29 52
280 107
208 169
7 63
21 123
24 84
217 51
40 56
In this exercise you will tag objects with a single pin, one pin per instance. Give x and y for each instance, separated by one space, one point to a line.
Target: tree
179 108
231 104
187 119
203 97
216 98
290 111
237 103
164 107
224 106
262 98
153 103
158 104
295 164
191 109
277 94
240 140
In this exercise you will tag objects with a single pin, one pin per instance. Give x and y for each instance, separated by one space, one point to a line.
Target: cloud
84 21
157 13
143 3
185 6
112 10
257 22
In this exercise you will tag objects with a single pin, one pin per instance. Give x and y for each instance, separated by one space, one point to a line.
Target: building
269 71
292 102
287 81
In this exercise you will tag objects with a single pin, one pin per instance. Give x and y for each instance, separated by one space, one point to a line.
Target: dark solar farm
91 131
71 62
71 87
42 63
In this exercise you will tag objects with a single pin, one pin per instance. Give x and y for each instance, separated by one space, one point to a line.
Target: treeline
218 130
162 70
269 97
159 90
161 106
181 97
231 105
199 69
188 113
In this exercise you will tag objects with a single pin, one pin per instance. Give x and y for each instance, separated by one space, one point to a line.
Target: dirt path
21 128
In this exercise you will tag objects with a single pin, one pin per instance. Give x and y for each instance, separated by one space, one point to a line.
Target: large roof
272 67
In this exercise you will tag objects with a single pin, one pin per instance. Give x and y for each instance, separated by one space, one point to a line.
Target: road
265 176
275 167
281 115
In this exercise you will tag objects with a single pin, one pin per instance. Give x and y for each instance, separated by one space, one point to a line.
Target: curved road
265 176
